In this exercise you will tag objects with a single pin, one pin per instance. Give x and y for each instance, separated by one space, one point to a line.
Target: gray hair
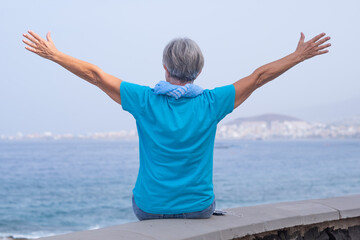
183 59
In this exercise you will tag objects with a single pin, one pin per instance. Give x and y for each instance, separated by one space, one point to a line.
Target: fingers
316 46
322 52
302 37
33 45
30 49
324 46
30 38
48 37
323 40
320 44
36 36
317 37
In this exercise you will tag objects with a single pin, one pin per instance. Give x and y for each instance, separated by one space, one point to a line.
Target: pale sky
126 39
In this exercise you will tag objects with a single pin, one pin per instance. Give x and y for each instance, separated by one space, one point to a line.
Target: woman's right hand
40 46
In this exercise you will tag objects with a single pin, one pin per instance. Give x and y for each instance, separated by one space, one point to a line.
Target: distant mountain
268 118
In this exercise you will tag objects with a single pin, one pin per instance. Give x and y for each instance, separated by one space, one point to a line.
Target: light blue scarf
176 91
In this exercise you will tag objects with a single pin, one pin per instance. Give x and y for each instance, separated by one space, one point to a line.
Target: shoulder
133 86
134 96
131 90
224 91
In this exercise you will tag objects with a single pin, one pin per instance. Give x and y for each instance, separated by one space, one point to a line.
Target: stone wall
319 219
347 229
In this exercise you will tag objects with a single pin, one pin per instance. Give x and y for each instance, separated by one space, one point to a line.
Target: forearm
304 50
87 71
272 70
247 85
264 74
91 73
82 69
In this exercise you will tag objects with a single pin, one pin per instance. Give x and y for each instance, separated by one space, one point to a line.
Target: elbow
259 76
94 76
263 75
95 79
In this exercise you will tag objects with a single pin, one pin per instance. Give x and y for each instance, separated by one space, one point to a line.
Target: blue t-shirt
176 142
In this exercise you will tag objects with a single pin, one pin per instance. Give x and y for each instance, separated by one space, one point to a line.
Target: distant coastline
266 126
276 126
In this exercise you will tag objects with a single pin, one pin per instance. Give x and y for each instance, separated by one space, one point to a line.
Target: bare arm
264 74
87 71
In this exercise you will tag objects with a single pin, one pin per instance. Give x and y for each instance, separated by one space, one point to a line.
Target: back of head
183 59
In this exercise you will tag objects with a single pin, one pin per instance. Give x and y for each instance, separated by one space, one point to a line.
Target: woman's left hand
313 47
40 46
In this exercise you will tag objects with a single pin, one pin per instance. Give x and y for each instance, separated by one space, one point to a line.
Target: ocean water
54 187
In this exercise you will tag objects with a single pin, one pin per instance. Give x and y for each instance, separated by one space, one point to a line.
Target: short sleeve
223 101
133 97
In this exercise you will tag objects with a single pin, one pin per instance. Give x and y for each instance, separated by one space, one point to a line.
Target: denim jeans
141 215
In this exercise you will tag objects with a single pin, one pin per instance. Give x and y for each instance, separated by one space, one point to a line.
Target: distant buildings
132 134
273 126
269 126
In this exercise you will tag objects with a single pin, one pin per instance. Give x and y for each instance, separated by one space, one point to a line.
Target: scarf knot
176 91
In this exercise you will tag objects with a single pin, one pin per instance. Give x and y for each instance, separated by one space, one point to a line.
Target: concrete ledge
236 224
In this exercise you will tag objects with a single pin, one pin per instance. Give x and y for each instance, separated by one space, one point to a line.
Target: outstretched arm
87 71
264 74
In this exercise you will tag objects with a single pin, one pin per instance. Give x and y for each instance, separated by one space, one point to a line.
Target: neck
175 81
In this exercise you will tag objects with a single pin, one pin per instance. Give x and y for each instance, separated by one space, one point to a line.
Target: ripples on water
52 187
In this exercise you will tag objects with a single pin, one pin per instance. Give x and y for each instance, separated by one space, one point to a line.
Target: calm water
52 187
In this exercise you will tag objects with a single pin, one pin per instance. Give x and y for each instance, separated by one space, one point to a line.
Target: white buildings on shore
123 134
269 126
286 130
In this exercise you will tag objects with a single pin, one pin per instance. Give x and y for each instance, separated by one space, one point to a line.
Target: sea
50 187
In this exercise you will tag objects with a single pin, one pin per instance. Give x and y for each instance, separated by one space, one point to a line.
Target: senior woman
176 121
